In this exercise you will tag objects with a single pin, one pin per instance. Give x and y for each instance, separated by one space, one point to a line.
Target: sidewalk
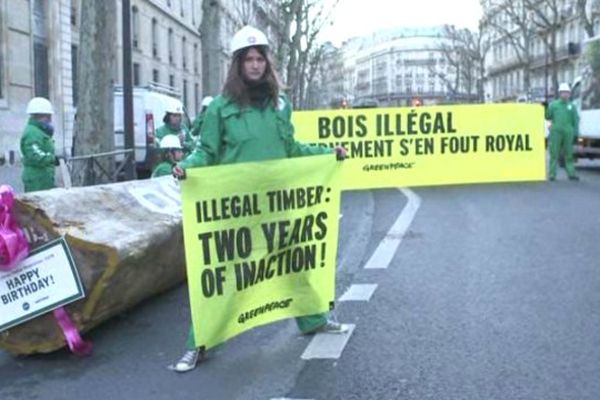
11 175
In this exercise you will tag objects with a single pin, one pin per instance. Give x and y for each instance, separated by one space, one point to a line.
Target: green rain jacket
232 134
162 169
37 149
197 124
564 117
166 129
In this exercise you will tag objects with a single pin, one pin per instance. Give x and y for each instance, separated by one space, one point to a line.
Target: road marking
327 345
384 253
287 398
361 292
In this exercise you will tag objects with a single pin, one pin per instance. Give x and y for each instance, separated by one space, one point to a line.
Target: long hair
236 87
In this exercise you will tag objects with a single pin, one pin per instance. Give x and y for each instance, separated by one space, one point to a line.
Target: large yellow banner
260 243
391 147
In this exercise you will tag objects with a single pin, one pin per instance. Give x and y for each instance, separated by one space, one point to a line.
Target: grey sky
361 17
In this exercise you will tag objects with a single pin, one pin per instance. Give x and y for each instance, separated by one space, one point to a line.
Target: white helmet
174 107
564 87
206 101
248 36
39 105
170 142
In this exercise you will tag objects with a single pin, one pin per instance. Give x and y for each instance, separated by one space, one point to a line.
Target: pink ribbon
13 243
14 248
76 344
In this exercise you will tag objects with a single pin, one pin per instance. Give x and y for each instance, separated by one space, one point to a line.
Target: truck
586 96
149 105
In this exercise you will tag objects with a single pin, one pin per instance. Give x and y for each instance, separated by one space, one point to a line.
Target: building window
197 97
172 81
40 50
136 74
194 13
155 76
181 11
183 53
154 37
171 46
74 12
169 3
135 26
74 74
196 58
185 93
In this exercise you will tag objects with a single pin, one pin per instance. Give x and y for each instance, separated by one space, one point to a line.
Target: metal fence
92 169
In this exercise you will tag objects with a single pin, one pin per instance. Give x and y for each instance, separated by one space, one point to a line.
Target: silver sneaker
333 327
188 361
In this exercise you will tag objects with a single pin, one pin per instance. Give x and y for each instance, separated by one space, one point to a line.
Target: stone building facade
397 67
39 41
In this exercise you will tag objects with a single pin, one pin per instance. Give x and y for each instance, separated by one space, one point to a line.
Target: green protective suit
197 124
564 129
37 150
188 141
231 134
163 169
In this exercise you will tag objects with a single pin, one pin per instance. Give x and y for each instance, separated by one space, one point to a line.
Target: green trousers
561 140
305 324
32 182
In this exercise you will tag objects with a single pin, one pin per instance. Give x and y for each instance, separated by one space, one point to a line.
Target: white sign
44 281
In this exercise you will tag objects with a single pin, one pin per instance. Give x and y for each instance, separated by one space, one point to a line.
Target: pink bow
14 248
76 344
13 243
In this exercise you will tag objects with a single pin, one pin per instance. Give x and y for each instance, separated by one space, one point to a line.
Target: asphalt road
494 293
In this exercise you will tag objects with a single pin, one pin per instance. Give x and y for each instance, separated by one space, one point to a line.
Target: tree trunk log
125 249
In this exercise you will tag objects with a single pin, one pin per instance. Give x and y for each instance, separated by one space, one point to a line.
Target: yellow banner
392 147
260 243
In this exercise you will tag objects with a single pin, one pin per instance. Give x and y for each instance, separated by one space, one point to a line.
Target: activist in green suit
171 152
564 130
37 147
251 121
173 125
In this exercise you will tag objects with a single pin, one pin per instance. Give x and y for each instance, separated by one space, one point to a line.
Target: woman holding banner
250 121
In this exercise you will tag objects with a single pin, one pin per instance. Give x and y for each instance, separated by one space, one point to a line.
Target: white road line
384 253
287 398
327 345
357 292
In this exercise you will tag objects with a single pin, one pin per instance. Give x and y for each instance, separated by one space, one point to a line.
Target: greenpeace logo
275 305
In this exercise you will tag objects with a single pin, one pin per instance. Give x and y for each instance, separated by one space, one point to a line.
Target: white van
149 105
586 95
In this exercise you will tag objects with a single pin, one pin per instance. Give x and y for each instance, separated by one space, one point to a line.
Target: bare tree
298 52
95 114
589 12
548 18
245 12
518 30
212 46
464 51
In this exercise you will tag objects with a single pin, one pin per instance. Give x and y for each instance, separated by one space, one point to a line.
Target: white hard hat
206 101
174 107
248 36
39 105
564 87
170 142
